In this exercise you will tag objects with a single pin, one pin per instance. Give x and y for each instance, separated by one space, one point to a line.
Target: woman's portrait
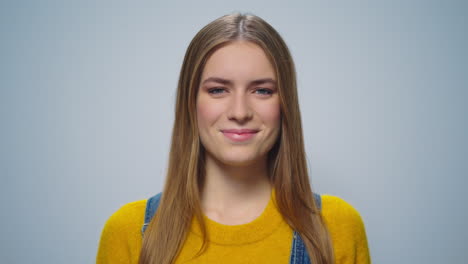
237 179
207 132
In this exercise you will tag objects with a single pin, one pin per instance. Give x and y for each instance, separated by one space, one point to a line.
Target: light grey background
87 97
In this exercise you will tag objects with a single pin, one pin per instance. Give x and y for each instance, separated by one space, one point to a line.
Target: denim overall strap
299 253
151 207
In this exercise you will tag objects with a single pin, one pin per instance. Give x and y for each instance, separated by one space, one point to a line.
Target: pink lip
239 135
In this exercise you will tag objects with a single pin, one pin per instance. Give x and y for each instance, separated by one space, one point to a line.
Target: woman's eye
216 90
264 91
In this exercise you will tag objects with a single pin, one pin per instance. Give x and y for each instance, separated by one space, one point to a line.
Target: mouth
239 135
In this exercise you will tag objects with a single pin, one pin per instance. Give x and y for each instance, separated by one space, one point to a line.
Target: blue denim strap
318 201
299 254
151 207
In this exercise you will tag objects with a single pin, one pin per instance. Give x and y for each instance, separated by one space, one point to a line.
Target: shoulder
121 236
125 222
335 208
127 216
346 228
341 215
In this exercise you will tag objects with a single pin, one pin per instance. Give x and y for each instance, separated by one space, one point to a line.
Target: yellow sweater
267 239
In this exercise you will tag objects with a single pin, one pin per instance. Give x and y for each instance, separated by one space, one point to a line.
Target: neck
229 187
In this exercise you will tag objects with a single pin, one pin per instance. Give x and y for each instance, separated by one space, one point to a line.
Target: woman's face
238 107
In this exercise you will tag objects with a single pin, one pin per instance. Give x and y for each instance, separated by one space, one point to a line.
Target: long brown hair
288 172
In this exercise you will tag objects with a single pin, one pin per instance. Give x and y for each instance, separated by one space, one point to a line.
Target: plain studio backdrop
87 100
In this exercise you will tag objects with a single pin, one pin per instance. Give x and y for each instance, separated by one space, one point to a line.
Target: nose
239 108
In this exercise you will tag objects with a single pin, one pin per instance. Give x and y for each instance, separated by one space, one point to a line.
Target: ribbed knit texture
267 239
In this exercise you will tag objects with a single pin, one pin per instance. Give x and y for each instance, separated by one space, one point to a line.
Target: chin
234 159
238 163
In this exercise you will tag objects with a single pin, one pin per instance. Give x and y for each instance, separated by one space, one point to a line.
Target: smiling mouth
239 135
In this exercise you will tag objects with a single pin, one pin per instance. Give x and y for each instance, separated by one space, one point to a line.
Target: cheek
271 114
207 114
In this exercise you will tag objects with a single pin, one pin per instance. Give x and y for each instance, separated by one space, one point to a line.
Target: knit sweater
267 239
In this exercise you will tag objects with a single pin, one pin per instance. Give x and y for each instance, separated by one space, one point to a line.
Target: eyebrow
229 82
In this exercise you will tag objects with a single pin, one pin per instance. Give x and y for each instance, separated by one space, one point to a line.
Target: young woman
237 187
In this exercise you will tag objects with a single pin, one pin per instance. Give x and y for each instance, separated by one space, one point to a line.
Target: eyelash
269 92
214 89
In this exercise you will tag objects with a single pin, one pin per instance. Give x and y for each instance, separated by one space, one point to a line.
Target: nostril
240 114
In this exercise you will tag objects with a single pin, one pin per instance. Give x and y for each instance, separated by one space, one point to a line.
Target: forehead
239 61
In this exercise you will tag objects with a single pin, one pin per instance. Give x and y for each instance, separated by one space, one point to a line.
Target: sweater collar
256 230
